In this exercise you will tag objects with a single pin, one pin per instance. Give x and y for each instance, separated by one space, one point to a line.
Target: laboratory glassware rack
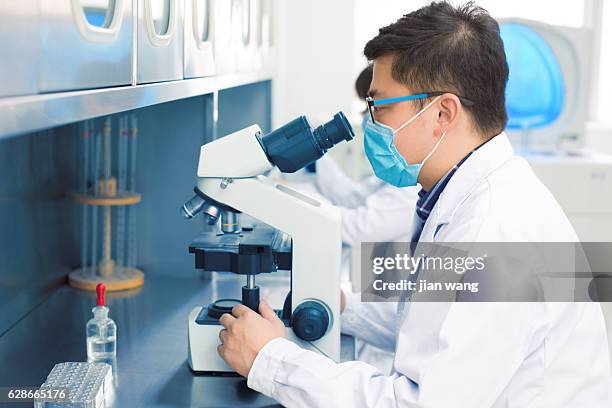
115 196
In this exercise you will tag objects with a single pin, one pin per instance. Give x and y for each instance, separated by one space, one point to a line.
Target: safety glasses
372 104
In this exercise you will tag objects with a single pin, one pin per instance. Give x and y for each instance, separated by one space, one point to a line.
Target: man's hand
245 333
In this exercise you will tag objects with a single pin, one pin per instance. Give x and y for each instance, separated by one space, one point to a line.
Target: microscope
292 232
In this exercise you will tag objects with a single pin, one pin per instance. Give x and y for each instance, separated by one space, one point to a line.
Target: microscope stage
204 318
259 249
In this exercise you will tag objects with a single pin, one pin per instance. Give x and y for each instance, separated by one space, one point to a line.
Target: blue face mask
387 162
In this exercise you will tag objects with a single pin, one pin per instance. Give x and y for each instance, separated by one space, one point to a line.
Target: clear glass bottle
101 332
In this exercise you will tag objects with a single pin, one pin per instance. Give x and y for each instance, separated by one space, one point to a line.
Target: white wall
314 76
599 136
320 45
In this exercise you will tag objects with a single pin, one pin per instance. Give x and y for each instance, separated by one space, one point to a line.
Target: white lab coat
545 355
372 211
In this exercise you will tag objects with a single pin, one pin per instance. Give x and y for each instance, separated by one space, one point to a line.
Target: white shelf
25 114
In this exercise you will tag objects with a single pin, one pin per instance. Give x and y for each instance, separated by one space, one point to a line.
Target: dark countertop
151 369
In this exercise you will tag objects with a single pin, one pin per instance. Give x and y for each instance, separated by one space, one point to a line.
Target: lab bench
151 368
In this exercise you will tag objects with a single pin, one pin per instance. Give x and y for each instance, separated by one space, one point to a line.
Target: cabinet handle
196 23
160 39
91 33
245 30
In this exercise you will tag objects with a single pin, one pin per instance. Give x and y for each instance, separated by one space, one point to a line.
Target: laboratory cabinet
226 20
20 43
256 36
84 44
243 35
67 45
160 40
198 39
265 36
246 46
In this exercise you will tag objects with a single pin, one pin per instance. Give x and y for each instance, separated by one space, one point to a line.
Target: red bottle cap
100 289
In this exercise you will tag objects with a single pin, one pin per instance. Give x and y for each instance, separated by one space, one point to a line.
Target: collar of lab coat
471 174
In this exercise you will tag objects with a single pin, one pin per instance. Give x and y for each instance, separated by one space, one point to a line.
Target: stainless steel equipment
245 26
160 40
224 40
85 44
265 37
198 34
20 43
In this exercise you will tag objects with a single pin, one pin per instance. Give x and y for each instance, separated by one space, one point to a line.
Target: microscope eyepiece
295 145
333 132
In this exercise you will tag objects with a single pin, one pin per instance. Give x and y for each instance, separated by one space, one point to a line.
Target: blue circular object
310 321
535 93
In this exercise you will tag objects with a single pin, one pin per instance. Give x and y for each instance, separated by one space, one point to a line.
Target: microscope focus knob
310 320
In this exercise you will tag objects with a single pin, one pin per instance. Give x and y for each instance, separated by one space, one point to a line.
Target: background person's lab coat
372 211
496 354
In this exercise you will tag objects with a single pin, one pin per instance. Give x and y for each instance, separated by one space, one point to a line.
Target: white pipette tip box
87 385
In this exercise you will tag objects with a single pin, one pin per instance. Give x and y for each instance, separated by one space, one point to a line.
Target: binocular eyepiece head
296 145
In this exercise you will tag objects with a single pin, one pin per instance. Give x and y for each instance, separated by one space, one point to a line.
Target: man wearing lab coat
437 118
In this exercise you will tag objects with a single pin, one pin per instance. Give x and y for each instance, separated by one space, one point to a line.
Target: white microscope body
314 228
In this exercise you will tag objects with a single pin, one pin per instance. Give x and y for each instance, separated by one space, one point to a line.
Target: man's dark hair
445 48
362 84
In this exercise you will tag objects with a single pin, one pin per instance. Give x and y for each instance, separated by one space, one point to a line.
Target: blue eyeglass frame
372 102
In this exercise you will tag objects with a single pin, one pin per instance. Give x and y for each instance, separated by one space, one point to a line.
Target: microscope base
203 341
203 338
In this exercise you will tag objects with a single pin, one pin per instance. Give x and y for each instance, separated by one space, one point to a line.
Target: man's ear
449 107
